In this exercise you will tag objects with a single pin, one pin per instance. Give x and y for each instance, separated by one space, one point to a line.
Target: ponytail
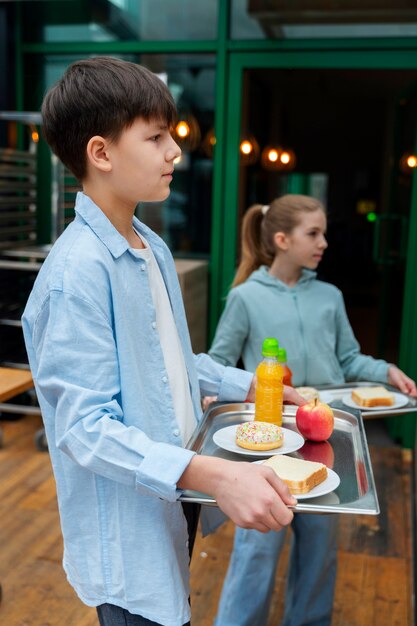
259 226
253 253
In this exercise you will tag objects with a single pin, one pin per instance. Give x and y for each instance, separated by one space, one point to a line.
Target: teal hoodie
310 322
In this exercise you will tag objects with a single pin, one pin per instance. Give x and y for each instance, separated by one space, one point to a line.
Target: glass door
346 126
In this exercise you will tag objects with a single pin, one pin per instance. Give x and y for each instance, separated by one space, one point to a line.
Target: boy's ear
281 240
97 153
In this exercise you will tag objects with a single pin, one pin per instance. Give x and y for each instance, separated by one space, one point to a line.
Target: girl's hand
206 401
290 394
397 378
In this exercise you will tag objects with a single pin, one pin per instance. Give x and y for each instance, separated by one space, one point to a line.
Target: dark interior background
353 126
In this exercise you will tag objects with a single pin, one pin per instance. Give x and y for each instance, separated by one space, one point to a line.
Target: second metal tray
336 393
347 453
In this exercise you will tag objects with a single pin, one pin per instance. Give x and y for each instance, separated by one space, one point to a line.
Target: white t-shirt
171 346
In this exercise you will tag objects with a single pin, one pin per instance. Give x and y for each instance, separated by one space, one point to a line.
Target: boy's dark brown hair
100 96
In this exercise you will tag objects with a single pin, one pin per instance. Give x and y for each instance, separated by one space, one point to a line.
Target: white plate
399 401
226 438
327 486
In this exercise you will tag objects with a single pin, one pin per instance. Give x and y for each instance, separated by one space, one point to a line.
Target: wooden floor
374 583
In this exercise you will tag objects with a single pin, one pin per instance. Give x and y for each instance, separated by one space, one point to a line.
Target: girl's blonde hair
260 223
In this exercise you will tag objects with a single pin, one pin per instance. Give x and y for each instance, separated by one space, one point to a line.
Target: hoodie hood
263 276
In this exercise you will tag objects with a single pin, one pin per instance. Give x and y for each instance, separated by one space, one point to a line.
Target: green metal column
219 166
231 173
404 427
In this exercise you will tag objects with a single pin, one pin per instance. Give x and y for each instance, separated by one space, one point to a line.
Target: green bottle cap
282 355
270 347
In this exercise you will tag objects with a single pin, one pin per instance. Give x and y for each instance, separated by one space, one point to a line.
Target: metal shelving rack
21 256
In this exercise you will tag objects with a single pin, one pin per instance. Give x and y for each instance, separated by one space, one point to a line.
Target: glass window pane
277 19
184 219
119 20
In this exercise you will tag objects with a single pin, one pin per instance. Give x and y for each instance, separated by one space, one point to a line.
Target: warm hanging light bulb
34 135
277 159
249 150
408 162
182 129
246 147
187 132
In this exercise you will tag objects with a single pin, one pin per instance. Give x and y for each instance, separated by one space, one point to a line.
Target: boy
109 350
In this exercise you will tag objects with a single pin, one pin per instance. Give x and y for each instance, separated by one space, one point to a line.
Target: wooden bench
12 383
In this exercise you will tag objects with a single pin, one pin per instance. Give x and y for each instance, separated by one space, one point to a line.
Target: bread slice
300 476
372 396
308 393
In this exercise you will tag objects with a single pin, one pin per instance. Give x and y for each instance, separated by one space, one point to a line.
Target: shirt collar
100 225
107 233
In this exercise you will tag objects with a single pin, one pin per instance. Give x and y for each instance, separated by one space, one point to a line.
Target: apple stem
315 401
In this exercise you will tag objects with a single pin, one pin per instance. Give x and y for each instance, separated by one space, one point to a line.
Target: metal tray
356 492
338 391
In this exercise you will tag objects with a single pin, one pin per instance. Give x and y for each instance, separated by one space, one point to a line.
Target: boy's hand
251 495
397 378
254 497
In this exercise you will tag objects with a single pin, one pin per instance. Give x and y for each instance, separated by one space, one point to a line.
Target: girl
276 294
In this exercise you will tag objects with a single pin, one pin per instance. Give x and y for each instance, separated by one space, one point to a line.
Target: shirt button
164 379
143 267
176 432
153 324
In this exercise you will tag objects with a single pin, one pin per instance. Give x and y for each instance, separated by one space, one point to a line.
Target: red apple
315 420
318 451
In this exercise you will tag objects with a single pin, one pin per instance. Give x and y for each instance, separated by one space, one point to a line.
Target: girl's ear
97 155
281 240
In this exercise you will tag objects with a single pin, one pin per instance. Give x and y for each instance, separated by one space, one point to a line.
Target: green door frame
388 58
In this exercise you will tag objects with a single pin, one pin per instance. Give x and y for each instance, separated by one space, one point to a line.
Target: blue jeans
250 579
111 615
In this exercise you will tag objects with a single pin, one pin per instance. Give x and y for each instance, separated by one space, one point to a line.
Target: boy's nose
173 152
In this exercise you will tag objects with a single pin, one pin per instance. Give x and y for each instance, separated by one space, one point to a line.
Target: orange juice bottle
282 358
269 385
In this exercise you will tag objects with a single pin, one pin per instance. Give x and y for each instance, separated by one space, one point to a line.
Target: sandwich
372 396
300 476
308 393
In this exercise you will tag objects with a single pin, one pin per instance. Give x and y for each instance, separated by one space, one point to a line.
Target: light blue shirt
115 445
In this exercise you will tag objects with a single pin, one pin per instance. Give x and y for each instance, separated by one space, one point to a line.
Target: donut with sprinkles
259 436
